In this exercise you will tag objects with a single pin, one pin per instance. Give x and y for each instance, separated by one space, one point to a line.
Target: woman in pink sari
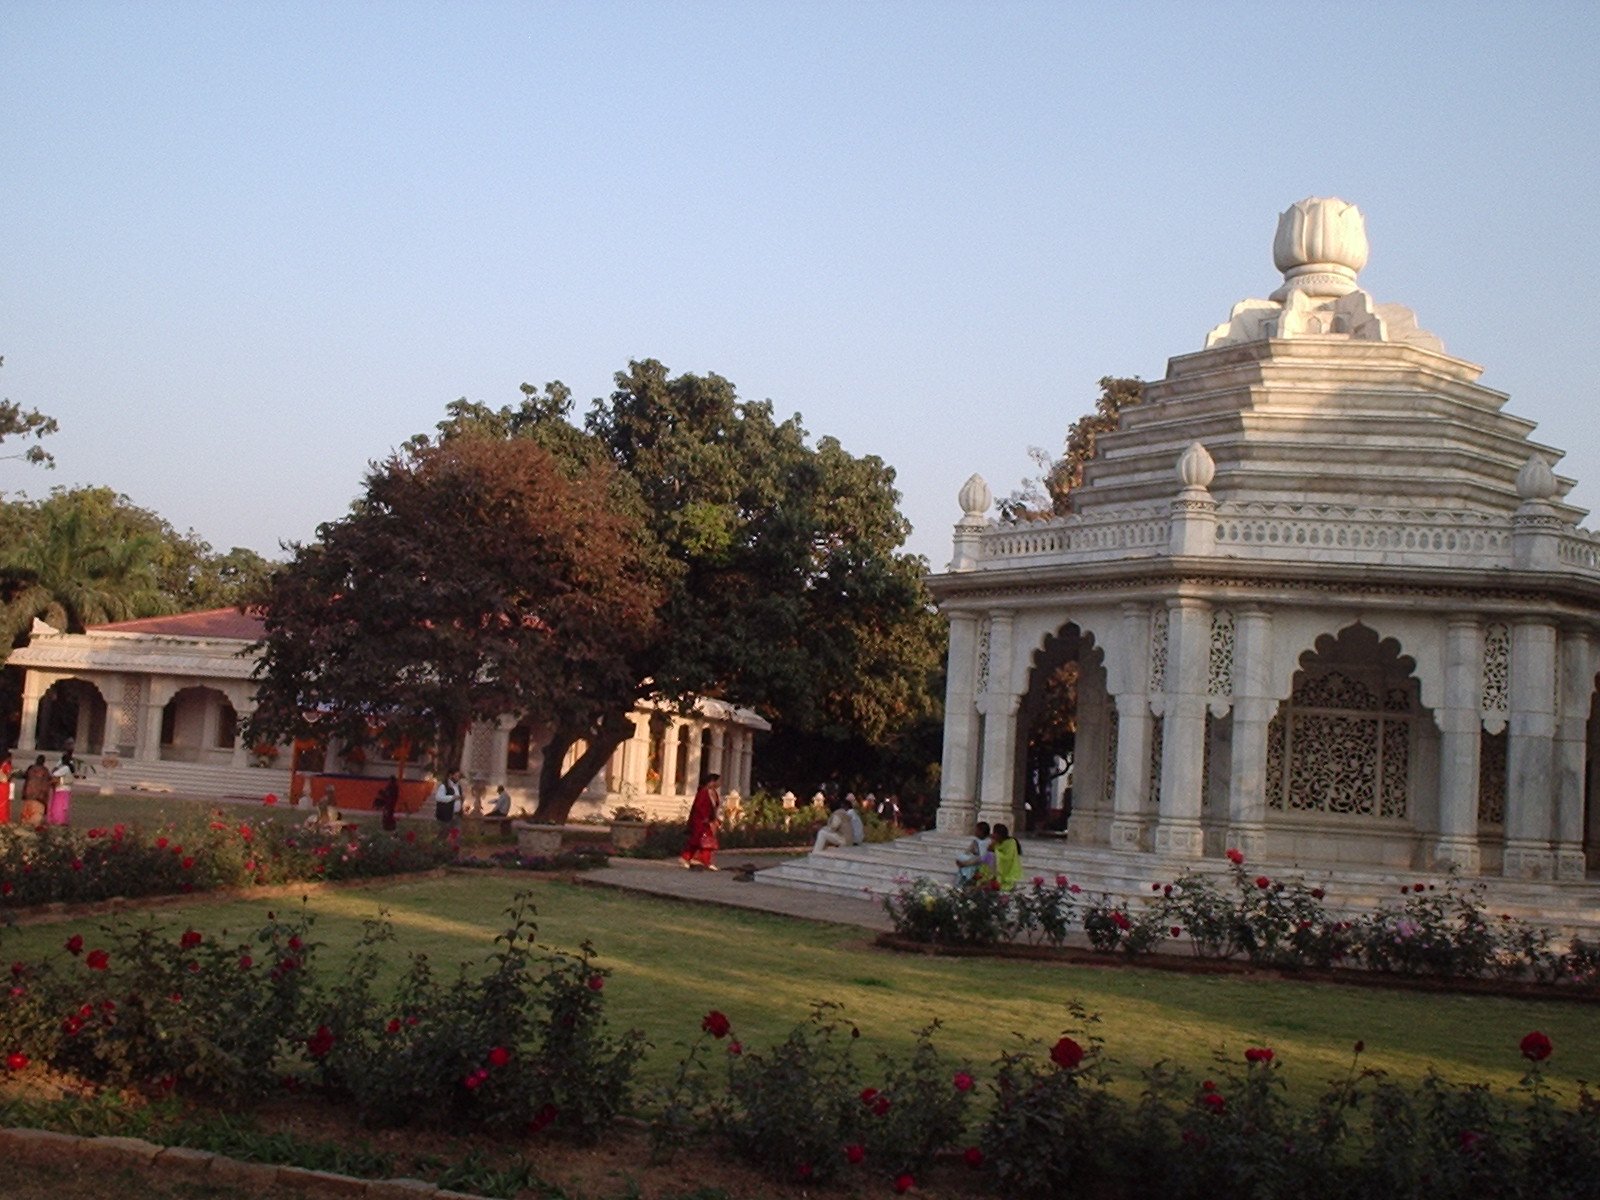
701 843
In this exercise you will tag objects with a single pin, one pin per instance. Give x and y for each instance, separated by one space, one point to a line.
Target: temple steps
186 779
876 868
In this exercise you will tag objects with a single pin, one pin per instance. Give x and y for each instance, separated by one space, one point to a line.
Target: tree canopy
86 555
782 585
476 577
1050 494
16 421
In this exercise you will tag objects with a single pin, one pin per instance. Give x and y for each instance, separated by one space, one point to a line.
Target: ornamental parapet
1285 532
1127 533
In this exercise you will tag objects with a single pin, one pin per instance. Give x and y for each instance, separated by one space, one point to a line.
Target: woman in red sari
701 843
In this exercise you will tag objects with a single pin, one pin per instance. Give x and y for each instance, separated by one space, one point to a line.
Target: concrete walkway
657 877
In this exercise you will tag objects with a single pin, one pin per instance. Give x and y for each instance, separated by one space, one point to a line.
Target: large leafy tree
474 578
782 583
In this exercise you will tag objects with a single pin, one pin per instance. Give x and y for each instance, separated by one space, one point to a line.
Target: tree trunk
559 792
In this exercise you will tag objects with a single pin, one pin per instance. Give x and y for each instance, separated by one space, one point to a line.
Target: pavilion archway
71 710
1065 738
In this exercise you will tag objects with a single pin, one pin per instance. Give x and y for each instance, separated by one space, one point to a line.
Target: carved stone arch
64 697
1066 687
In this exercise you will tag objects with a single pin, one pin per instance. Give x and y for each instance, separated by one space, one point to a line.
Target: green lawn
672 962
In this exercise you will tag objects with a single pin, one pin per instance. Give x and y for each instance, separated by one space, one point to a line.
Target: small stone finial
1320 246
974 498
1536 481
1196 467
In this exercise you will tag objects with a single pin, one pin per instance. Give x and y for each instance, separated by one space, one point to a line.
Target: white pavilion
1326 605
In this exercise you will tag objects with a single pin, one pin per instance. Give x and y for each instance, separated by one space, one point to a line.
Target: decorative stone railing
1285 532
1122 534
1338 534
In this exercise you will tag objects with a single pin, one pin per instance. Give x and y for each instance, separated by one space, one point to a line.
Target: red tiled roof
212 623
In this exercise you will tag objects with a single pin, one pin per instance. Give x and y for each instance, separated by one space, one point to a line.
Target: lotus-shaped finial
975 498
1536 481
1320 246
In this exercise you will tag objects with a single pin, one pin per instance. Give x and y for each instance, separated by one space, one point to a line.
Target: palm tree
72 574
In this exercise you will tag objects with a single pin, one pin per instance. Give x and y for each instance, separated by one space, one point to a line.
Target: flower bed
519 1047
62 865
1438 931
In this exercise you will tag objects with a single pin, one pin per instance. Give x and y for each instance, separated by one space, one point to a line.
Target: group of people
991 858
45 795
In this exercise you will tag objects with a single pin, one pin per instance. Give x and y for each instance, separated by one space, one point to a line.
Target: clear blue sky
250 247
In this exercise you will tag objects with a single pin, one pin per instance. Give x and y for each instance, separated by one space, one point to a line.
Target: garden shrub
924 911
523 1045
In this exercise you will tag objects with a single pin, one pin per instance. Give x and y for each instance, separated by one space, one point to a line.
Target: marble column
1130 815
1460 725
696 769
997 799
1178 831
719 749
958 776
34 686
1529 750
149 747
1253 709
1578 664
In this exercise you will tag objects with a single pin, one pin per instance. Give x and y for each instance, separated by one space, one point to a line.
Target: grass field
672 962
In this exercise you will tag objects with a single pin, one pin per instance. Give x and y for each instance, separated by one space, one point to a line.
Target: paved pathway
666 878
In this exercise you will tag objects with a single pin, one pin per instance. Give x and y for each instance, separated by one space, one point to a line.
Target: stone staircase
876 869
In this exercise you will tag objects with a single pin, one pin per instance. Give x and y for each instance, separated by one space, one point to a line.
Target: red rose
1263 882
1061 881
320 1042
161 843
294 941
190 938
187 864
543 1117
1236 857
973 1157
855 1152
1066 1053
596 982
75 944
880 1106
1214 1101
1208 1086
1120 919
904 1183
1536 1047
1360 1046
6 889
393 1026
962 1081
1258 1054
735 1049
499 1056
1317 893
716 1024
1175 931
246 962
471 1082
1419 887
98 960
16 1062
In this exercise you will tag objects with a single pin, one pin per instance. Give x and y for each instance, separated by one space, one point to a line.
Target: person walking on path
701 844
35 792
5 789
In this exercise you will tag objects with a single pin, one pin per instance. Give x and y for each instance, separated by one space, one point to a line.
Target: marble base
1461 853
1180 839
1529 860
